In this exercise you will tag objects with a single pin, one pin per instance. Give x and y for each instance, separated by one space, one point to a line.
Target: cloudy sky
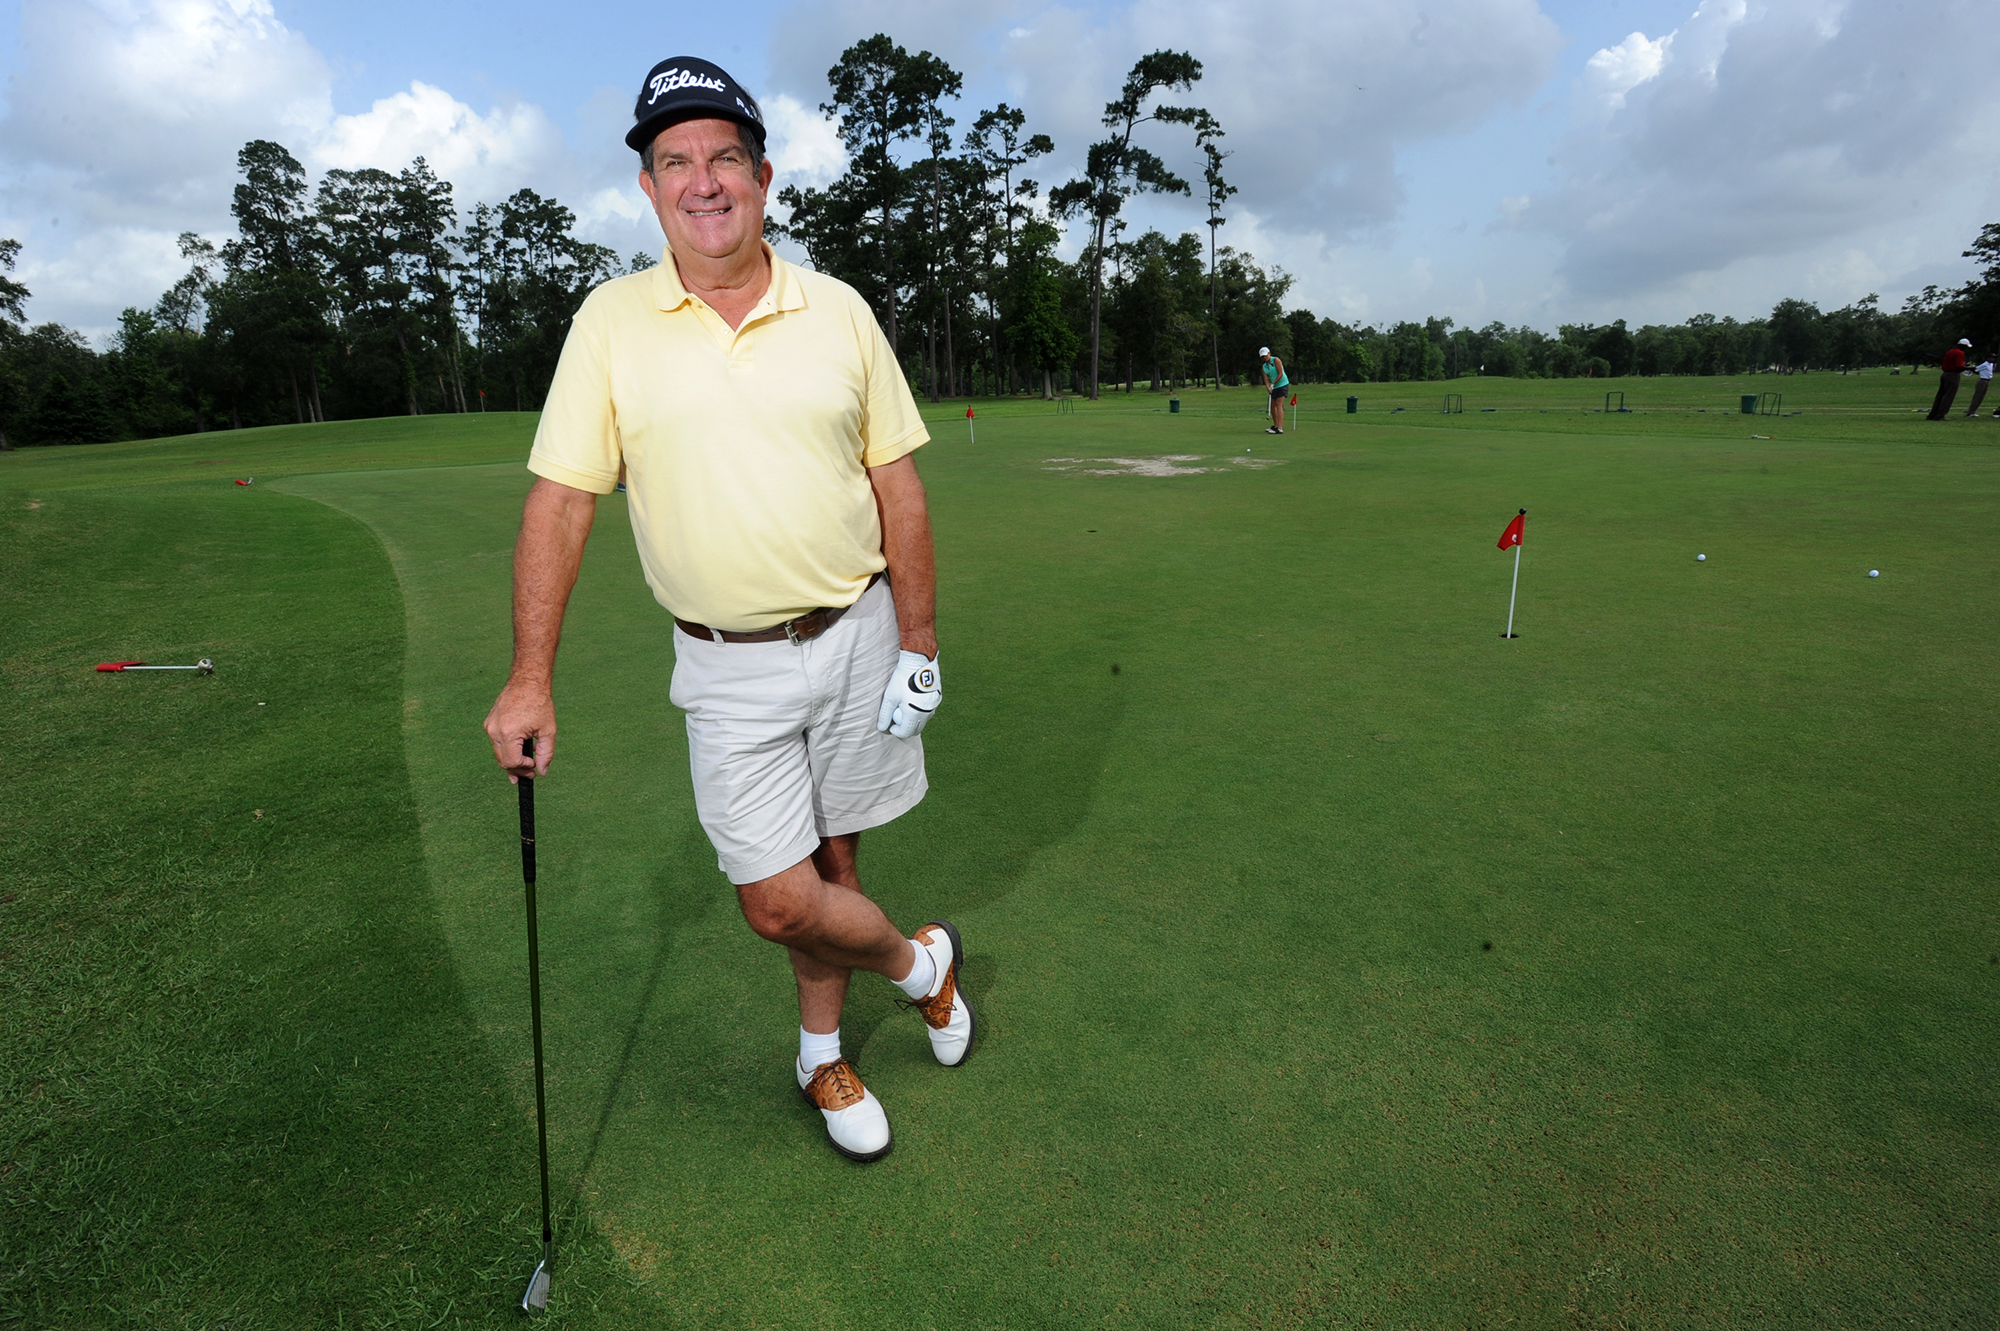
1572 160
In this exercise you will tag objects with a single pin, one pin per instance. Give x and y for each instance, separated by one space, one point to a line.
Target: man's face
702 189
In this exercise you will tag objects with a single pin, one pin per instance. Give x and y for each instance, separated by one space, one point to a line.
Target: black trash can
1750 404
1173 406
1353 405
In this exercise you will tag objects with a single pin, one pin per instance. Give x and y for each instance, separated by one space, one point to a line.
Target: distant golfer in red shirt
1954 369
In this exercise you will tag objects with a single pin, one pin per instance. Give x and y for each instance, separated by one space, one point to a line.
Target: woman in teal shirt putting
1274 371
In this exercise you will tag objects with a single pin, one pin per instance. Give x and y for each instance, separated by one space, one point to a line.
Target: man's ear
766 176
646 184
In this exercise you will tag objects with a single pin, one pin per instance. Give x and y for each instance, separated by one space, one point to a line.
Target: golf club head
536 1300
205 666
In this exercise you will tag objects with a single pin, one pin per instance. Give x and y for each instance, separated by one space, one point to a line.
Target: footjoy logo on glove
927 680
667 80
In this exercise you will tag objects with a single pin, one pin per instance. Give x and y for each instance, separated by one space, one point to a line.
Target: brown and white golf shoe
945 1009
855 1122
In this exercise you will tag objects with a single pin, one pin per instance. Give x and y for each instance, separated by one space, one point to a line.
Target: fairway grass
1337 961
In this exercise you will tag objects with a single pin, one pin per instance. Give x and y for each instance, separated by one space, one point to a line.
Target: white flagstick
1516 589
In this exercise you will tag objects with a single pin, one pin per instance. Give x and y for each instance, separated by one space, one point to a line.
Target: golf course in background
1338 962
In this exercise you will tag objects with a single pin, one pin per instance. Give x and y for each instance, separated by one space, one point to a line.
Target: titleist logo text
667 80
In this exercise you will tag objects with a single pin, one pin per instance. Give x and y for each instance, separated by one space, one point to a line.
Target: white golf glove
913 694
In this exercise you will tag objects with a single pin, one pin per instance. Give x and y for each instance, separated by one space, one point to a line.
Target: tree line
373 294
369 296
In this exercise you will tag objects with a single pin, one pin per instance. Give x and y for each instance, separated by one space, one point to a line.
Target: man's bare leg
817 910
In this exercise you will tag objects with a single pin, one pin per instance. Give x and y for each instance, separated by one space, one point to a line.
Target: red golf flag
1512 536
968 413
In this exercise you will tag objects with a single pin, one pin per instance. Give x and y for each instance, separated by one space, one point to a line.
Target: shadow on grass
1014 771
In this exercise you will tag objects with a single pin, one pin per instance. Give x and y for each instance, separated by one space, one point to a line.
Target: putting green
1248 1057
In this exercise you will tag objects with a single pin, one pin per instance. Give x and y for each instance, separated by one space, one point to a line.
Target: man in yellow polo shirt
767 436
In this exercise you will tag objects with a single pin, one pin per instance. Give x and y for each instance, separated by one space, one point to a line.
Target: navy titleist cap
687 88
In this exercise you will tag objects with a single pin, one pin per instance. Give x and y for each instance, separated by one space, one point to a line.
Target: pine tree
1115 168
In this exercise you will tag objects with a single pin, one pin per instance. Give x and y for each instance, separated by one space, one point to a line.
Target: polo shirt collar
786 293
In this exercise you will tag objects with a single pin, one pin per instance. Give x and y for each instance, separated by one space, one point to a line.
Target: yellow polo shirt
745 449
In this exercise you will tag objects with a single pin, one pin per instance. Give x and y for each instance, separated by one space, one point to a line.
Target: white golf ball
1701 559
1874 572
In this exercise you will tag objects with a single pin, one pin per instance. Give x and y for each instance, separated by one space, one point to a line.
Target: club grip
527 789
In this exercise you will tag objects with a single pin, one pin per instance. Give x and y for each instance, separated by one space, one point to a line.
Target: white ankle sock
923 973
817 1049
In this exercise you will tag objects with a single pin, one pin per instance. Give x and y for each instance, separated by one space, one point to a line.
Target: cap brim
649 129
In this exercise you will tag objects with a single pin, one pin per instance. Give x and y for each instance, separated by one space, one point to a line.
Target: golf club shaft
147 667
527 788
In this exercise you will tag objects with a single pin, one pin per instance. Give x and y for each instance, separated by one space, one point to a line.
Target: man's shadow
1014 763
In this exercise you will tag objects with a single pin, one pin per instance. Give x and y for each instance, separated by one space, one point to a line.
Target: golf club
537 1298
204 666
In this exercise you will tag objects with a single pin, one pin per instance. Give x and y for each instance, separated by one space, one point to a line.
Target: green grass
1247 1058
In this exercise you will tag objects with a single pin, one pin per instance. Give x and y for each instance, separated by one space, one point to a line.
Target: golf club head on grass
536 1300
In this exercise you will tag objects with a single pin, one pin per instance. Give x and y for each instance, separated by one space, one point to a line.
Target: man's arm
906 544
555 523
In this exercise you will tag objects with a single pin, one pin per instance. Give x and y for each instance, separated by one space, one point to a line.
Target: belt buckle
790 627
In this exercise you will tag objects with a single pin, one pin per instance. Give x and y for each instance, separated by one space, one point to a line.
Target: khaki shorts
782 739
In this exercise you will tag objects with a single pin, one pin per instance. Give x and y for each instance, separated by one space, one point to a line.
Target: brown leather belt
803 628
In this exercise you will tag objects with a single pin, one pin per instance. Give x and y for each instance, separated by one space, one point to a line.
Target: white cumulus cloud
1316 99
1616 70
124 117
486 156
156 96
804 146
1809 129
